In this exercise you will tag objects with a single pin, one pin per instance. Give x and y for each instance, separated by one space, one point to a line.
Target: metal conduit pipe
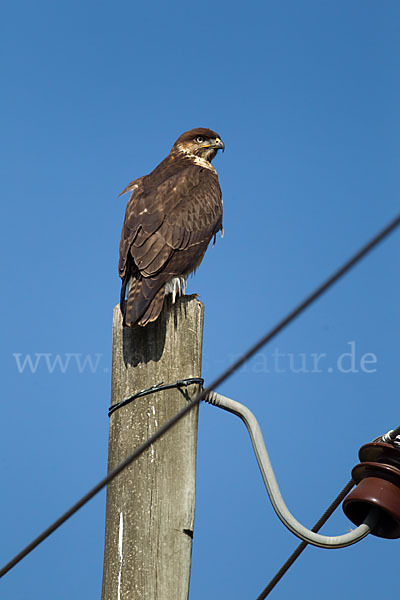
257 440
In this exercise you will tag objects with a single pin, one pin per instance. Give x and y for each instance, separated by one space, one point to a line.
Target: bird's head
200 142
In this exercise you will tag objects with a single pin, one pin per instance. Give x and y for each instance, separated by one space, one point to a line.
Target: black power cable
286 566
238 363
389 437
158 387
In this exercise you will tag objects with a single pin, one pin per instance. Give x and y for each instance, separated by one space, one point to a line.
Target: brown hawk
172 215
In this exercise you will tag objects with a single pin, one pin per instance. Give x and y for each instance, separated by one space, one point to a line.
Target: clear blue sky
306 97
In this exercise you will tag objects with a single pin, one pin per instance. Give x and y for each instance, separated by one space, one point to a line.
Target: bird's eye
199 139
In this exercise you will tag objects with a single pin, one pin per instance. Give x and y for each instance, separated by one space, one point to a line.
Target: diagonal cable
390 436
381 235
303 545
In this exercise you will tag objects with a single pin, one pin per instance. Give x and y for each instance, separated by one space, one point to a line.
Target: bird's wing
174 214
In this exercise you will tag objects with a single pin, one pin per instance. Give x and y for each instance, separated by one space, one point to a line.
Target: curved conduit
257 440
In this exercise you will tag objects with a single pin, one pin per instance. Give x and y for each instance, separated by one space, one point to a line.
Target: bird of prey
172 214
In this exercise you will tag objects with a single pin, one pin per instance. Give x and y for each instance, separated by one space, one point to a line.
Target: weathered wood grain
150 505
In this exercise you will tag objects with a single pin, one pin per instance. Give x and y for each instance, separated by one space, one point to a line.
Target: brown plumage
171 216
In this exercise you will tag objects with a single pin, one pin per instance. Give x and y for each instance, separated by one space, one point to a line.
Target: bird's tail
144 302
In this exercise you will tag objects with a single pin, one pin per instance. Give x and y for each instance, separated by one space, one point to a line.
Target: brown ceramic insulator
374 469
380 452
381 494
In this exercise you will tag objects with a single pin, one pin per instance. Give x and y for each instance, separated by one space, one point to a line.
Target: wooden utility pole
150 505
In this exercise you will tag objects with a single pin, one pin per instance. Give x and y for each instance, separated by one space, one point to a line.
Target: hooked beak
219 144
